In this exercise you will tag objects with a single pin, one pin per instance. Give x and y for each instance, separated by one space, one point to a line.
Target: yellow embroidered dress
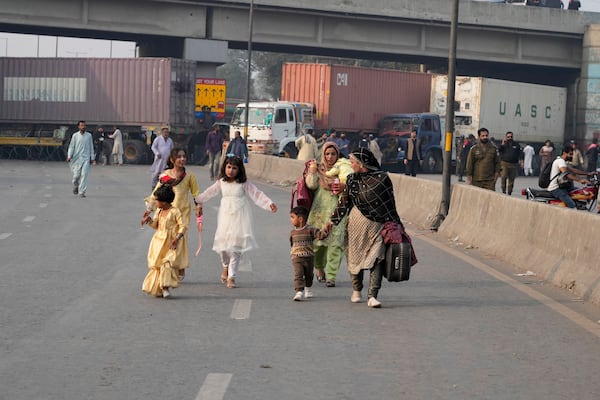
162 261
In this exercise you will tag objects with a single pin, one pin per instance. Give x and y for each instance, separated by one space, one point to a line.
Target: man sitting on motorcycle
559 167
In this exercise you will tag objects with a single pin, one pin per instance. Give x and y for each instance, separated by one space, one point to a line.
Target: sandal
320 276
224 275
330 283
231 283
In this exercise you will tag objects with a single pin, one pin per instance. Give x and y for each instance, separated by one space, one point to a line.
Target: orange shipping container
351 98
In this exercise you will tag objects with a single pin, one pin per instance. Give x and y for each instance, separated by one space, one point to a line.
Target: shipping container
534 113
353 99
129 91
45 97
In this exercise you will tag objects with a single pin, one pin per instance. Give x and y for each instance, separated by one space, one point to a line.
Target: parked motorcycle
585 197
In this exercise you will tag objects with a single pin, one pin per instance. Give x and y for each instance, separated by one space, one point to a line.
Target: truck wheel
135 152
290 151
433 162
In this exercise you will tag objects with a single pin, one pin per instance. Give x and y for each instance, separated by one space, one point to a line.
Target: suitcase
397 262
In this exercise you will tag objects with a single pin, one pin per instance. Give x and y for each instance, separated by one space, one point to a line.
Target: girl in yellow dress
162 253
183 184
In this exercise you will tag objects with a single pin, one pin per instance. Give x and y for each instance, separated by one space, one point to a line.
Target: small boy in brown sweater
302 254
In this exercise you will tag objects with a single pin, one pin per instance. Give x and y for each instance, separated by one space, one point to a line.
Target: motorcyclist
559 168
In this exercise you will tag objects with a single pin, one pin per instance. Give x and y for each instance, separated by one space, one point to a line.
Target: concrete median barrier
559 245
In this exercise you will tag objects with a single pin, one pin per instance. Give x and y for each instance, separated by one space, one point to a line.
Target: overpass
531 44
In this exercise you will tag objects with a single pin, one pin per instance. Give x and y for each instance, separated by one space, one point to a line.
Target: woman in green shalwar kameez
321 178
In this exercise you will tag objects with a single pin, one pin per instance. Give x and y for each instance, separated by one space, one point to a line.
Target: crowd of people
352 199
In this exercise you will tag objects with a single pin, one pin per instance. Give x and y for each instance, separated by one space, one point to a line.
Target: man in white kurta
80 155
528 153
161 147
117 150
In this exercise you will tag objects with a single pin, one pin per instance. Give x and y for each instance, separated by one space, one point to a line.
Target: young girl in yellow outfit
162 253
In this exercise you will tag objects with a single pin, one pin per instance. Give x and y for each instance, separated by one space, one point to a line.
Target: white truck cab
271 125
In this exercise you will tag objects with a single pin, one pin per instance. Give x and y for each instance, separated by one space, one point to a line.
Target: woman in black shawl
368 200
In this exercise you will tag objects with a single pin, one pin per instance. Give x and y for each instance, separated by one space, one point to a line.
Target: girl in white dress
235 233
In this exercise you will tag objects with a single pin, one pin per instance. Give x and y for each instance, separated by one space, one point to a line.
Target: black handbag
398 257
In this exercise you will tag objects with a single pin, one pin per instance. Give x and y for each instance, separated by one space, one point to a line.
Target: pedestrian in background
577 160
302 253
79 156
165 244
412 158
592 156
374 148
307 145
235 227
344 145
483 162
214 147
117 150
464 153
528 153
238 147
161 147
510 155
574 5
547 153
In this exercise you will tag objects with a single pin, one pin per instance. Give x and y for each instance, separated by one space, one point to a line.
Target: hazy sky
15 45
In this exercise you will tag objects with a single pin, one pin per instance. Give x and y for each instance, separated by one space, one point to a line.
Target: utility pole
445 203
249 76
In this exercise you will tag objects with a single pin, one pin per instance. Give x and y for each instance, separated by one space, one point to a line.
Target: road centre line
43 205
29 218
241 309
5 235
214 387
590 326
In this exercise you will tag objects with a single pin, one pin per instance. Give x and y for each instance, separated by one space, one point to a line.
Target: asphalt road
74 323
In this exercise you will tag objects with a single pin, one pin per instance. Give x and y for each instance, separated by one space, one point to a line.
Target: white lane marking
579 319
241 309
49 187
214 387
5 235
29 218
48 195
43 205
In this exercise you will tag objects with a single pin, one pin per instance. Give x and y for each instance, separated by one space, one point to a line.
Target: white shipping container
534 113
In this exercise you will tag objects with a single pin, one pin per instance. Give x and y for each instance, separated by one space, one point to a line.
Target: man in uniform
483 162
510 154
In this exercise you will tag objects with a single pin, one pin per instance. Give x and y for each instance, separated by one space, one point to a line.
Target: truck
273 126
394 132
534 113
354 99
43 98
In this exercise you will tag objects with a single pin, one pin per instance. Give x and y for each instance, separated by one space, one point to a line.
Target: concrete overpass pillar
588 98
209 54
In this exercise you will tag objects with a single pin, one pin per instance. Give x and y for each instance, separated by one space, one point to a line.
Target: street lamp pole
445 203
249 75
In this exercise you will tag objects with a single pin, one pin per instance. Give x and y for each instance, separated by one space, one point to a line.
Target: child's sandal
224 275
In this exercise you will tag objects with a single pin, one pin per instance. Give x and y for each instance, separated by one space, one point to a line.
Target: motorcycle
585 197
